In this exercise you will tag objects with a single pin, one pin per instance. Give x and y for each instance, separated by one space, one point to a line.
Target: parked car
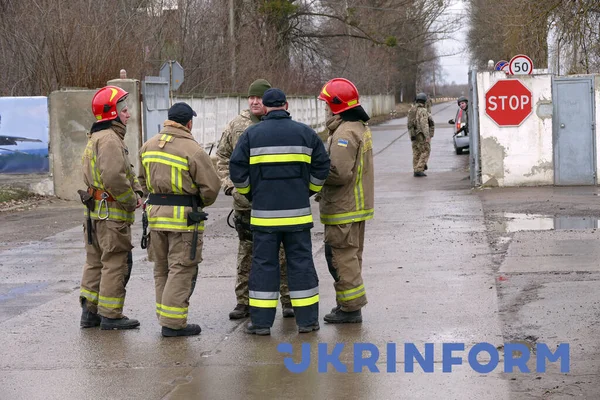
461 123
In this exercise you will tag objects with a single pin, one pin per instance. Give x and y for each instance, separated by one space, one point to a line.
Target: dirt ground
35 217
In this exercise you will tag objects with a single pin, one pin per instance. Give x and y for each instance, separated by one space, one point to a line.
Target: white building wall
523 155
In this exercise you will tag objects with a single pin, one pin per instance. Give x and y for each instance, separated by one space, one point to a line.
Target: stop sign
508 102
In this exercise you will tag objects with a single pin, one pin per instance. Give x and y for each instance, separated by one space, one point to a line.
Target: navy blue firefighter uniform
278 164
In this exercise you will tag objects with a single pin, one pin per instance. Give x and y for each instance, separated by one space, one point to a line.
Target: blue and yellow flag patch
342 142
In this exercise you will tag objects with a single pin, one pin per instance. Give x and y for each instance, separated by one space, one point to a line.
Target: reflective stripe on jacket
278 164
349 191
106 167
172 162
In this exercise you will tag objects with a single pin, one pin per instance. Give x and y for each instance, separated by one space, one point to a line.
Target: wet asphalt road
428 275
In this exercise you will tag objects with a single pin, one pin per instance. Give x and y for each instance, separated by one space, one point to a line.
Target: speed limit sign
520 65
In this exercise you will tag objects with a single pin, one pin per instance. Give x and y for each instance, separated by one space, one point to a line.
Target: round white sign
520 65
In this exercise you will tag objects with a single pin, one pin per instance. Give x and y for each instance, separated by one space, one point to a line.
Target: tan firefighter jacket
106 167
172 162
348 193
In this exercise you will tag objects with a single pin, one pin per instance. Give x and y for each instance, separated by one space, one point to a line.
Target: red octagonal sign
508 102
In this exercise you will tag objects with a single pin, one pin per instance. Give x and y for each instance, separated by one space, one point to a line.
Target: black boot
419 174
309 328
118 323
288 311
88 318
240 311
190 330
255 330
343 317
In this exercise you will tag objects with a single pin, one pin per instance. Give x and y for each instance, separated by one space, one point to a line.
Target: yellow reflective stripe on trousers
262 299
262 303
91 296
308 301
111 302
350 294
277 158
346 218
171 312
281 221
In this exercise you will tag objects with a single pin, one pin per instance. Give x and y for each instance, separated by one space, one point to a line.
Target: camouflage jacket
229 139
420 121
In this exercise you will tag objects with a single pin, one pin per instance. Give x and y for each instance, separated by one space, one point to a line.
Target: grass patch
8 193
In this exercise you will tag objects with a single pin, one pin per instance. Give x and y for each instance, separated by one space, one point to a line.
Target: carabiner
103 201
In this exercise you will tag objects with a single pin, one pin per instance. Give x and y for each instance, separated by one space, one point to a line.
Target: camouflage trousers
421 150
244 264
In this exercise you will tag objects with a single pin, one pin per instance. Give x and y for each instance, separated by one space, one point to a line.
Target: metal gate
573 131
155 102
474 151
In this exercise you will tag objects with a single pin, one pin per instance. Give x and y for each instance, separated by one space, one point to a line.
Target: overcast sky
456 66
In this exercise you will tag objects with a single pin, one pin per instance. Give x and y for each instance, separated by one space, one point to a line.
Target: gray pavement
432 269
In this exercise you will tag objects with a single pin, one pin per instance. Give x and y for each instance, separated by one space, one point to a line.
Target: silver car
461 132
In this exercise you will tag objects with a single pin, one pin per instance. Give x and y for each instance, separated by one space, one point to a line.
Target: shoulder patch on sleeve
342 142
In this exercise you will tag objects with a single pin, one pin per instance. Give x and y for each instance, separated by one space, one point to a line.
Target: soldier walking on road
113 193
180 179
421 130
242 206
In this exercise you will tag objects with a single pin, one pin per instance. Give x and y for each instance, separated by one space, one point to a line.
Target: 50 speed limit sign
520 65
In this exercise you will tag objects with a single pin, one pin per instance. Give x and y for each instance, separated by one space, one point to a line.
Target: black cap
181 113
274 98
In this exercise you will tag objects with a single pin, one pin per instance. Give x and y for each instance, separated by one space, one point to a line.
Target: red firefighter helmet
340 94
104 103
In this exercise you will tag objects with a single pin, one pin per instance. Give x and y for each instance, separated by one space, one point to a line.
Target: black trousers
303 281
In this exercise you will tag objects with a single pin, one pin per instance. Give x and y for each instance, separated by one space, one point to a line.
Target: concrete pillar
71 119
133 138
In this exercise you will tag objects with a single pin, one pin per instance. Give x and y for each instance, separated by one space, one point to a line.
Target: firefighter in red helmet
347 198
113 193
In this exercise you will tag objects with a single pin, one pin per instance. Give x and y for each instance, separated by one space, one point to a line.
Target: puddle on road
515 222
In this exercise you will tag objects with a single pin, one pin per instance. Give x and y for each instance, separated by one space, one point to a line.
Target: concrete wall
523 155
70 120
214 113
